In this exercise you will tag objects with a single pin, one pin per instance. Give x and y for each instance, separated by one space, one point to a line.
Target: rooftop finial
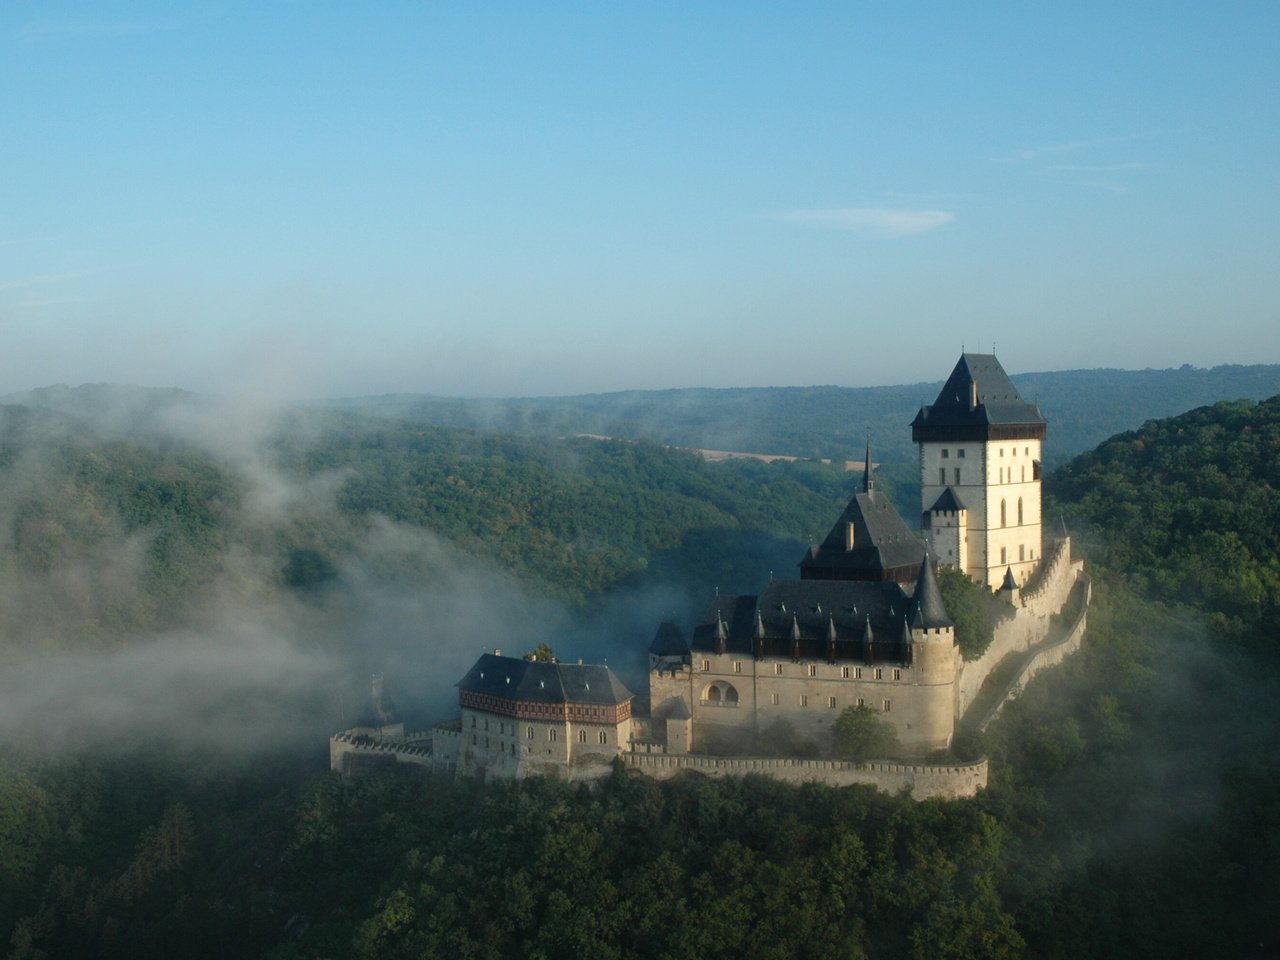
868 480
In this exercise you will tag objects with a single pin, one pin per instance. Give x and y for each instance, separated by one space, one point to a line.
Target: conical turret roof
929 610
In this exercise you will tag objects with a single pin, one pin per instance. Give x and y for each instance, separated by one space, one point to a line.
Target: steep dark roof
807 611
669 641
949 501
929 611
884 547
1009 582
538 680
978 401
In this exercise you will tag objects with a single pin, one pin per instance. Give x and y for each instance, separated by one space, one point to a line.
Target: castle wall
1049 655
1029 624
921 780
734 697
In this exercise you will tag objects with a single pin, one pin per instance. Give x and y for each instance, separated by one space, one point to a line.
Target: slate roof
949 501
883 544
806 611
929 610
998 403
669 641
540 681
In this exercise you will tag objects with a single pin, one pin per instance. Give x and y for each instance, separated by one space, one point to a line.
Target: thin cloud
878 221
1031 154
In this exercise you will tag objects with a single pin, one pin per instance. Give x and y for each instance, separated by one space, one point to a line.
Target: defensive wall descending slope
1030 623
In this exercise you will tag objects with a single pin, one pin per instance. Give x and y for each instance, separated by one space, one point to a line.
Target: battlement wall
353 753
921 780
1029 624
1049 655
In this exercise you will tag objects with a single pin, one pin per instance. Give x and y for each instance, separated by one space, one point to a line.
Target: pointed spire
868 478
1009 582
930 611
867 640
722 635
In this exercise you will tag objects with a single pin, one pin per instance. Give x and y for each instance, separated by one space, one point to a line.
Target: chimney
497 651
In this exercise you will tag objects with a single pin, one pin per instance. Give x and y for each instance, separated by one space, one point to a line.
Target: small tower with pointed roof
980 455
935 658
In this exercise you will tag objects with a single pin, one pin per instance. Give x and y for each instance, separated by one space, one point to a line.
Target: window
813 670
879 674
737 666
706 664
530 733
582 736
551 734
1026 451
960 453
777 668
956 472
1022 551
844 673
942 476
486 723
1002 451
473 721
857 673
831 702
604 736
887 705
1004 510
804 700
946 454
1004 558
773 699
862 702
1019 511
1024 475
897 673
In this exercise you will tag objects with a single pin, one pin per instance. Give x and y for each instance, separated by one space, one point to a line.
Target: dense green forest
1083 406
1133 810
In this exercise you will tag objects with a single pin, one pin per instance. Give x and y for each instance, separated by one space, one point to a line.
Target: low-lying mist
165 580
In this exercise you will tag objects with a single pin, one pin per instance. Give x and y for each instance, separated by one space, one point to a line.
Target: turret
935 661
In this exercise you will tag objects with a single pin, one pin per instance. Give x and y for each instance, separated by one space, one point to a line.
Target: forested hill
1188 509
1133 809
1084 407
125 524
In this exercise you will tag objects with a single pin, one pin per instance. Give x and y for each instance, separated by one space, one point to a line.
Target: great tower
980 464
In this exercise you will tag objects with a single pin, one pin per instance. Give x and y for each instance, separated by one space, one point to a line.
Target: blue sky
490 199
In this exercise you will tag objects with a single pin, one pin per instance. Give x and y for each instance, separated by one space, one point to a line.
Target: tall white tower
980 455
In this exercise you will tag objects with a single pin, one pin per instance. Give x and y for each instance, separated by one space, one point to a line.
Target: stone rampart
349 752
921 780
1048 655
1029 624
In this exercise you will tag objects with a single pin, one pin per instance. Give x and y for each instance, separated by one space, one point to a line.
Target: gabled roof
977 397
541 681
884 547
949 502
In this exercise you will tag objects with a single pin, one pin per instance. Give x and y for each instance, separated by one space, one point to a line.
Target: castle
865 625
